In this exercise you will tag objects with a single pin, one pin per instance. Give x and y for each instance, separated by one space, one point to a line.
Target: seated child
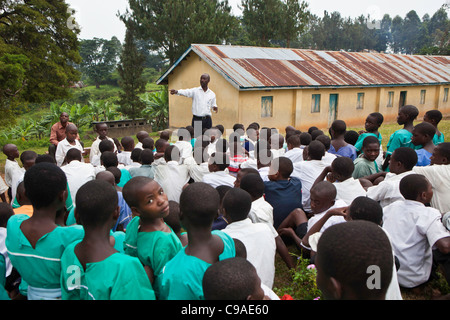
242 173
232 279
69 142
401 164
262 212
297 225
218 167
402 137
372 125
434 117
276 145
184 144
160 146
340 174
148 237
124 157
438 173
236 153
35 244
145 169
91 268
414 230
172 176
140 136
283 192
422 135
94 154
328 157
220 222
345 254
365 164
182 276
198 164
109 159
257 238
294 152
338 144
308 171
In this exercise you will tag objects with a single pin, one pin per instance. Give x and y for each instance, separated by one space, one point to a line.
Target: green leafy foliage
303 285
157 108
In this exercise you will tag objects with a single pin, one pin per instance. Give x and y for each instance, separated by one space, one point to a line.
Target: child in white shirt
415 230
218 167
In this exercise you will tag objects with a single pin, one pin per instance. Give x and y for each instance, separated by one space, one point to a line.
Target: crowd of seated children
178 212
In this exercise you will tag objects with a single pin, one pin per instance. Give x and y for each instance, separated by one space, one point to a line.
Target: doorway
402 101
334 99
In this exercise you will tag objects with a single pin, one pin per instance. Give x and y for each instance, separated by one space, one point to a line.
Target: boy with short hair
372 125
422 135
257 237
218 167
93 260
345 253
365 164
102 132
308 171
262 212
438 173
182 276
69 142
172 176
340 174
401 164
240 278
294 152
184 143
282 191
128 146
414 230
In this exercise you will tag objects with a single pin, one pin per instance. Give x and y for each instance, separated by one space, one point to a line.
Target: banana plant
157 108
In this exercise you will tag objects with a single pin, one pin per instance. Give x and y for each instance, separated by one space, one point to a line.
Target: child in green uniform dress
91 269
182 276
365 164
35 244
402 137
147 236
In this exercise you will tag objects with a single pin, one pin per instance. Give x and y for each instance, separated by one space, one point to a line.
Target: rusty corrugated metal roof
252 68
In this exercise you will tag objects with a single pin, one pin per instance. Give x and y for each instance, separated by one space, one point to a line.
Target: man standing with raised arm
203 101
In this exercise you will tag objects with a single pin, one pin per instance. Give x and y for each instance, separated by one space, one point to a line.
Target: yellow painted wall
291 106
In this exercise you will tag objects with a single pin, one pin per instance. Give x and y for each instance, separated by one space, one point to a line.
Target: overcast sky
98 18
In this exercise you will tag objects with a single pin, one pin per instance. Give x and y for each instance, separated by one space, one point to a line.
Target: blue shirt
347 151
423 158
284 196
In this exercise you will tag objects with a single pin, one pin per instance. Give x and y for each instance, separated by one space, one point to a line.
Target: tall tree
262 19
99 58
130 70
39 31
171 26
295 19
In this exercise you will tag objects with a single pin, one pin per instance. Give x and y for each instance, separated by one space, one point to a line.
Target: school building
277 87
